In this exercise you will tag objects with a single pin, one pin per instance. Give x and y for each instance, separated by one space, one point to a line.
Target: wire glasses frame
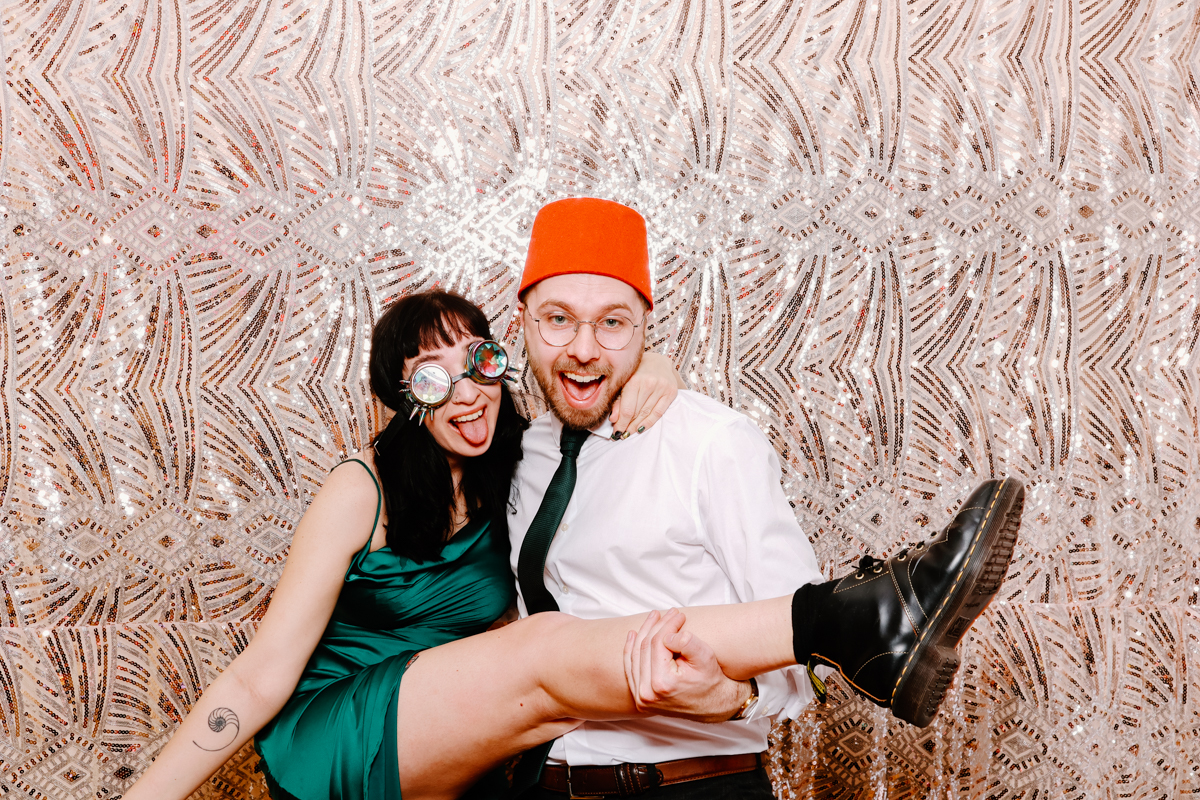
612 332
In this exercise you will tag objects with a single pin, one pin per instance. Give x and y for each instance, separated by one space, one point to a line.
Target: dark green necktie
531 564
531 574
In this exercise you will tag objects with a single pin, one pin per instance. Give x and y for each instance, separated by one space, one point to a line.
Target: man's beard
581 418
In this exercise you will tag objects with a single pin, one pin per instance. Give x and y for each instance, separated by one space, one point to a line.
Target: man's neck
603 429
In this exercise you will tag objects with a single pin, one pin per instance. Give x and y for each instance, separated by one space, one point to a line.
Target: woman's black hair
413 471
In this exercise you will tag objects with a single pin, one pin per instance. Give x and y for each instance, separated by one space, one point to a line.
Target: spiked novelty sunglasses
432 385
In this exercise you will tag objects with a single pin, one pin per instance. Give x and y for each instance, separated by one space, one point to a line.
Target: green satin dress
336 736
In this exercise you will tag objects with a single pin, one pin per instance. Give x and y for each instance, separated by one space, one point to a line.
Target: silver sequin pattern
918 243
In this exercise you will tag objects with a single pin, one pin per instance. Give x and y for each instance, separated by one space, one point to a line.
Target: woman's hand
645 396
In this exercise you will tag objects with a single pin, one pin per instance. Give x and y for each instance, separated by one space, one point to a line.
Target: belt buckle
571 791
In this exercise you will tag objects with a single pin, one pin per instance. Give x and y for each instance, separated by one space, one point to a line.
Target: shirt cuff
785 693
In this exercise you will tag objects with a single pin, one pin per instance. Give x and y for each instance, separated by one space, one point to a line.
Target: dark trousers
742 786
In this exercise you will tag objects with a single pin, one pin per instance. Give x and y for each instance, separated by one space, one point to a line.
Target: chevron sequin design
918 244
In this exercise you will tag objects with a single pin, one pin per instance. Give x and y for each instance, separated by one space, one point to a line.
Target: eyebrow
417 361
608 309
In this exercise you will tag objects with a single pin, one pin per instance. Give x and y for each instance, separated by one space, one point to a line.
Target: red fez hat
588 235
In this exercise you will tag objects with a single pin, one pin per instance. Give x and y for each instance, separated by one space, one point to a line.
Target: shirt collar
604 430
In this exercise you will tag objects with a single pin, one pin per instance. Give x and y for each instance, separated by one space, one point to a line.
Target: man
691 512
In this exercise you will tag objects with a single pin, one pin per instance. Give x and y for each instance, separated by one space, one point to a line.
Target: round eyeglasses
613 332
432 385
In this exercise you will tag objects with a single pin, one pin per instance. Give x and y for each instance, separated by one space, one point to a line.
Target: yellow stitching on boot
842 672
908 569
872 658
904 605
950 591
860 583
937 614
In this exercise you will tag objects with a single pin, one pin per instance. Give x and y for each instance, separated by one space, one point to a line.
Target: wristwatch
751 703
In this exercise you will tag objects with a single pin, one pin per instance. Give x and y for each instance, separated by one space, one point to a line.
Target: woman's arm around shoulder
646 396
255 686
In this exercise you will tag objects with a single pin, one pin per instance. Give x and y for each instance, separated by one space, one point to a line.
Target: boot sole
931 665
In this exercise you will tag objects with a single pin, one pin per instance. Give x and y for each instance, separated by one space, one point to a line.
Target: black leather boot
891 628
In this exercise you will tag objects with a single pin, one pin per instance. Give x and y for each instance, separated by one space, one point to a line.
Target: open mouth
581 388
472 427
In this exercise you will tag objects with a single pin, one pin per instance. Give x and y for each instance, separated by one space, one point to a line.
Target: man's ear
519 329
647 319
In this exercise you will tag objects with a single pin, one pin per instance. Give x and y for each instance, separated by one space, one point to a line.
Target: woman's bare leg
469 705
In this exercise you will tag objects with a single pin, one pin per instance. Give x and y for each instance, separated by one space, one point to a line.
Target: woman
404 551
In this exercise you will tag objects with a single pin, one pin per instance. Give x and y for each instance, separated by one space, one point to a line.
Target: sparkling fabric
918 243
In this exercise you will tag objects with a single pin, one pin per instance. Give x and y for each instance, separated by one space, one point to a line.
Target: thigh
468 706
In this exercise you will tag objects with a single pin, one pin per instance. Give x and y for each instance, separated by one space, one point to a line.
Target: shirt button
566 589
563 527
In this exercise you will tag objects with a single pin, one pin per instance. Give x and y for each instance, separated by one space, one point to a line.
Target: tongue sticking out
475 431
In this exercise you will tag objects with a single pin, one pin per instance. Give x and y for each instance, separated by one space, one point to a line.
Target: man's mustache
567 364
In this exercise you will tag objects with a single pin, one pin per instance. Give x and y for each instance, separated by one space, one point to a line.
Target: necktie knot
571 442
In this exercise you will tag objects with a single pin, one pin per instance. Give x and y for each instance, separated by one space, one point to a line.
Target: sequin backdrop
918 243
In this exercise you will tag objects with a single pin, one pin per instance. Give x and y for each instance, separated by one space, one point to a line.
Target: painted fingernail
616 436
641 429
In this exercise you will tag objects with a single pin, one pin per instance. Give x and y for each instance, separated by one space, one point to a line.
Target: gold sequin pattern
918 244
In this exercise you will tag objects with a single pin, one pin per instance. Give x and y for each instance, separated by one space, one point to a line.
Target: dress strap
366 548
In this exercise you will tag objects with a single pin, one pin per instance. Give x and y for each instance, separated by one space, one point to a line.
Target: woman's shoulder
361 462
342 516
355 474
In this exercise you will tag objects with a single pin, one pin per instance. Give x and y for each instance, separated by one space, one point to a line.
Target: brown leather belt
624 780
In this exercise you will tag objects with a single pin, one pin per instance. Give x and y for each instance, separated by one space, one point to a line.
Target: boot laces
918 547
869 562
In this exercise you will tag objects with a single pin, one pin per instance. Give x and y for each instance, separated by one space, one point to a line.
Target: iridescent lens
489 360
430 385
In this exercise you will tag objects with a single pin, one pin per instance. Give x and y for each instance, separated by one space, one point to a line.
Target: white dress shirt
691 512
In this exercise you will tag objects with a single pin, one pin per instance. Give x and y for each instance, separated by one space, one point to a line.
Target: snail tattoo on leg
218 721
